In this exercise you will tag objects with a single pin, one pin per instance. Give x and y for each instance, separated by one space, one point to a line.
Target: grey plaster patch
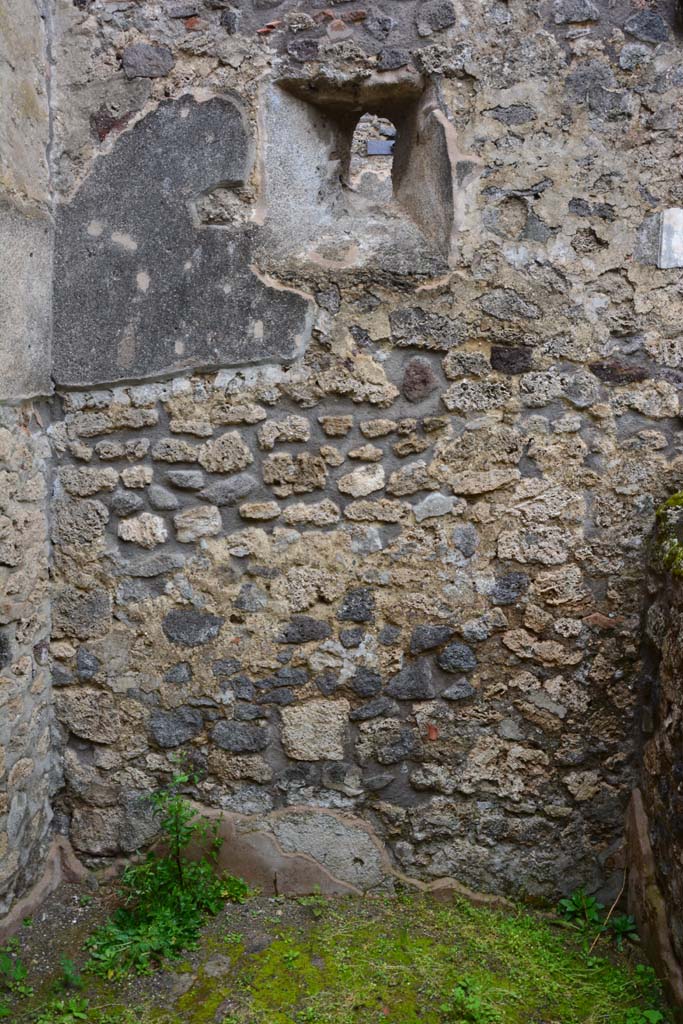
25 300
177 295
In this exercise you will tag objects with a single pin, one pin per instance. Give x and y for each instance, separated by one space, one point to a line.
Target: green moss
400 961
668 548
201 1004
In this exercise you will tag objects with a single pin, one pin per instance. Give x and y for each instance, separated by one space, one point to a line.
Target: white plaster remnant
124 240
143 280
671 239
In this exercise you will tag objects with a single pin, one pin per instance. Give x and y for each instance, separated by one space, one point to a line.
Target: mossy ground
365 961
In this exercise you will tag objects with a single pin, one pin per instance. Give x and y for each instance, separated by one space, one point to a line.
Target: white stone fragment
145 530
671 238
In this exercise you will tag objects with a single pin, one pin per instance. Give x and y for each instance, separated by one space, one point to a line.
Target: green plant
64 1011
466 1005
623 927
165 898
644 1017
580 910
70 977
13 974
316 902
234 889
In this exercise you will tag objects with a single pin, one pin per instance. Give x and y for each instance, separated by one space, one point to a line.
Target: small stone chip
260 510
146 530
336 426
322 513
144 60
362 481
200 521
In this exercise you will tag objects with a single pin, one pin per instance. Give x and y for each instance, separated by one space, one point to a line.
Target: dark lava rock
375 780
231 491
225 667
180 673
414 682
154 565
303 49
247 712
381 706
144 60
301 629
389 636
186 479
182 9
162 499
281 697
465 539
239 737
171 728
251 598
517 113
391 58
230 20
511 360
426 638
459 690
419 379
191 628
509 587
60 677
648 26
124 503
358 606
403 745
366 683
457 657
567 11
327 682
614 371
351 638
87 665
434 16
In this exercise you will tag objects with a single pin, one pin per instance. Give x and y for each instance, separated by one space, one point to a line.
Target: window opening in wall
372 158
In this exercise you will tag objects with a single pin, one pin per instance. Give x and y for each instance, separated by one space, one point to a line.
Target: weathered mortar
395 570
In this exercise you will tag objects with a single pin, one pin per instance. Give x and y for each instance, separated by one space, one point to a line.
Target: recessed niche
360 172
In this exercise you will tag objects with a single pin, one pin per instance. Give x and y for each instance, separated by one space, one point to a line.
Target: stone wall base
61 865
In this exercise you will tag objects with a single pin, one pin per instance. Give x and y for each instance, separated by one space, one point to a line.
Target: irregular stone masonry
29 773
393 570
414 639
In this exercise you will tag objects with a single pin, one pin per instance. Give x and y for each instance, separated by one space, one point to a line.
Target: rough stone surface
143 60
191 628
403 435
315 731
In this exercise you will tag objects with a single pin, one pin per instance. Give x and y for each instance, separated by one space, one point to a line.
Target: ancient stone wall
355 465
28 755
395 570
